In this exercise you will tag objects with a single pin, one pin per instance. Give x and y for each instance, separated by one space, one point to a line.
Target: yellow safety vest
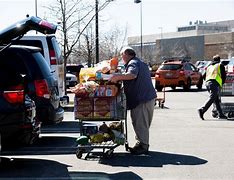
213 72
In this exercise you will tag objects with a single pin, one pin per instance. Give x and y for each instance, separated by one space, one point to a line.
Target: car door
194 74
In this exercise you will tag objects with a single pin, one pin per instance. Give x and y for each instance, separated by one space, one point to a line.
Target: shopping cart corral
227 97
108 129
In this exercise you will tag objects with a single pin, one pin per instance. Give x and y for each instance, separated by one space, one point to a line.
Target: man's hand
114 78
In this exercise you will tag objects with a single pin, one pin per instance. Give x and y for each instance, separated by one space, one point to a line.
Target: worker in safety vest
215 78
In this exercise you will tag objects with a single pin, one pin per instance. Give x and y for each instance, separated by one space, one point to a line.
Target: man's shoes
222 117
138 149
200 112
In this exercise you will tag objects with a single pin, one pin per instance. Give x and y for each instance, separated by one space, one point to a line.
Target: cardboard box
83 115
83 107
104 107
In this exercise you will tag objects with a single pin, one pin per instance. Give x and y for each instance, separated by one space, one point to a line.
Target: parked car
177 73
52 53
225 62
230 66
17 110
74 69
41 85
71 80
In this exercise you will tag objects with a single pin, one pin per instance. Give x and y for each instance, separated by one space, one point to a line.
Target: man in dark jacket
215 78
140 95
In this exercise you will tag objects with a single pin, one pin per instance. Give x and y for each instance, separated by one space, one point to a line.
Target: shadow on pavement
44 146
153 159
62 127
22 168
182 90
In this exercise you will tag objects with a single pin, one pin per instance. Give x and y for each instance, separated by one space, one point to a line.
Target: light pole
35 7
161 28
139 1
97 33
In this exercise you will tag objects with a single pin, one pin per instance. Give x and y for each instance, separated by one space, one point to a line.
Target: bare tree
111 42
73 16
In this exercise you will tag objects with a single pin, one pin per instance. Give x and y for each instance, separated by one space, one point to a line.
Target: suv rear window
23 63
171 66
9 76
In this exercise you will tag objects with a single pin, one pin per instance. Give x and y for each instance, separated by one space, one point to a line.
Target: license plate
168 75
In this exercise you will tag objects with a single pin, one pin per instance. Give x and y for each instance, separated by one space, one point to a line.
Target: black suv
17 109
40 84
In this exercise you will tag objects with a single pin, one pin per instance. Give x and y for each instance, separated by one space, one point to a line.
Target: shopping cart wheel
79 153
109 153
162 105
159 104
230 115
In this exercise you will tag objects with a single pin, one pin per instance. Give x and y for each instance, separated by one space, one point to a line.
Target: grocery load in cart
102 103
227 96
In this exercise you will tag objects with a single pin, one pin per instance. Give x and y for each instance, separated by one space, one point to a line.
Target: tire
173 87
159 88
79 154
187 86
199 85
109 153
161 105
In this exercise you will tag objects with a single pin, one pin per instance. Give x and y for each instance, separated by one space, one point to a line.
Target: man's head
216 58
127 53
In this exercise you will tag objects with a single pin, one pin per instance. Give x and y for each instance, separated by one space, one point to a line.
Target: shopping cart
115 113
227 96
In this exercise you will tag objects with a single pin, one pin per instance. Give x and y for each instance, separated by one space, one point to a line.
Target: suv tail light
14 96
53 59
157 75
42 88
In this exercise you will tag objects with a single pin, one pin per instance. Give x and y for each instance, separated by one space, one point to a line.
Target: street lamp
97 33
161 28
139 1
35 7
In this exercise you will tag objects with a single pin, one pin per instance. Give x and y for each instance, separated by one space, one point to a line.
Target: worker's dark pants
214 90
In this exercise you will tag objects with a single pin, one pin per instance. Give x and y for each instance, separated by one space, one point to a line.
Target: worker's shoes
139 149
200 112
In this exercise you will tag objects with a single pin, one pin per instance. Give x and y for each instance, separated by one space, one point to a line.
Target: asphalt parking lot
182 147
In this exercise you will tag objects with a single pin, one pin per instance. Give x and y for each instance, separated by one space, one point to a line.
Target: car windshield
171 66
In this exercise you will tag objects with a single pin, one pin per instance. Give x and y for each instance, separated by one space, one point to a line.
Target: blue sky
157 15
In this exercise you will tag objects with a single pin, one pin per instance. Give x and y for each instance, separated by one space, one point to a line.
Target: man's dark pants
214 90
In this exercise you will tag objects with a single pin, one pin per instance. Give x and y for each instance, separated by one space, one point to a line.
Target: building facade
199 41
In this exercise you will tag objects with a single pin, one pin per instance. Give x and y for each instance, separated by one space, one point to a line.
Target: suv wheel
187 86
